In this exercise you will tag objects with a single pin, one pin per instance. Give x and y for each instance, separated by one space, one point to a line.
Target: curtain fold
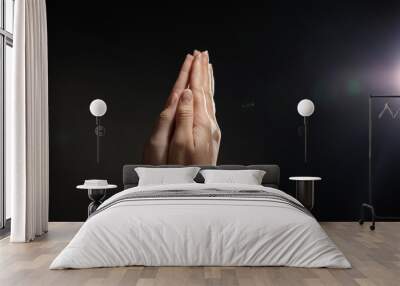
27 145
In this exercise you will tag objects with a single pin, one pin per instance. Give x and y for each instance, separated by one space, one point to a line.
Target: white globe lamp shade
305 107
98 107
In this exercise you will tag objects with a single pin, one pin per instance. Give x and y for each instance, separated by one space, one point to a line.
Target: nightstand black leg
96 196
305 193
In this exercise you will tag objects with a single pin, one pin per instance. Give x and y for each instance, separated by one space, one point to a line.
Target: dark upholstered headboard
271 177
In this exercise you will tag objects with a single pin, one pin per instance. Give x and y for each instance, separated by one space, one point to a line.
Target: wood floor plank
375 257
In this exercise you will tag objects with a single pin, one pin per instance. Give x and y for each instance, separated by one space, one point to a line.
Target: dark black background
385 155
266 58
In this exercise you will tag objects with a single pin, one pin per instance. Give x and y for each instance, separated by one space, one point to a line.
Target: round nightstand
96 194
305 190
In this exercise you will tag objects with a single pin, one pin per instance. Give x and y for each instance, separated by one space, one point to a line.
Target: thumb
184 116
182 140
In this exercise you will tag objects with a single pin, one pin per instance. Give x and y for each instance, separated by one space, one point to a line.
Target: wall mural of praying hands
187 131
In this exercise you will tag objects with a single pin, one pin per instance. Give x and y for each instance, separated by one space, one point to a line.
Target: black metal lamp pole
99 131
97 140
305 139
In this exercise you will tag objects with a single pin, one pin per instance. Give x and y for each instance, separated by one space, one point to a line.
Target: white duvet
199 231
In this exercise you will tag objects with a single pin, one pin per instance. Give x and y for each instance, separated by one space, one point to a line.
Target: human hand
197 136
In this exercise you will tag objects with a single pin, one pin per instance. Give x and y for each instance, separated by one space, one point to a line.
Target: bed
198 224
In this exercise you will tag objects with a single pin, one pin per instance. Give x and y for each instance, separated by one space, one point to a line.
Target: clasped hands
187 131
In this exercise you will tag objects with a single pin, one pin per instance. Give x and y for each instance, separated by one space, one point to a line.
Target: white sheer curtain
27 147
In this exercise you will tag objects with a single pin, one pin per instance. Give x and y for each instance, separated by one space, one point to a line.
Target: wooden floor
375 257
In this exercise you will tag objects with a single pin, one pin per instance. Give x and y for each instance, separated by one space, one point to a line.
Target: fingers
206 82
212 83
196 76
183 77
196 53
196 85
216 132
182 141
205 71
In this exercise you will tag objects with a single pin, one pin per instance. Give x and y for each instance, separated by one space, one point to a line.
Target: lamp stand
305 138
99 131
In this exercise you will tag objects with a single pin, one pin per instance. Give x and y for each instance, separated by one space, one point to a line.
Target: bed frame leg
362 218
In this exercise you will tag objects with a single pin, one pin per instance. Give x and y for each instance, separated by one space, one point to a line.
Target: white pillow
248 177
162 176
